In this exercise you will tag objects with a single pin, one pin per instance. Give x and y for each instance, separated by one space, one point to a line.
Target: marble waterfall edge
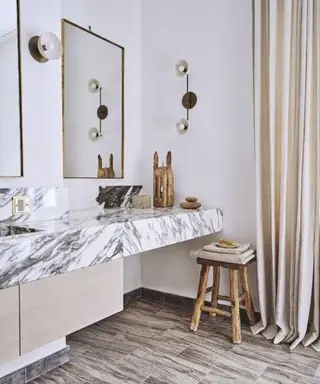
67 245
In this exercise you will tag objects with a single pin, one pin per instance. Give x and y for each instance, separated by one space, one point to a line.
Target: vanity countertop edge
92 236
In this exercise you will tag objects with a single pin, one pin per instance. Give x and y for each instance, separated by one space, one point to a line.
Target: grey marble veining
10 230
89 237
169 227
45 204
117 196
25 258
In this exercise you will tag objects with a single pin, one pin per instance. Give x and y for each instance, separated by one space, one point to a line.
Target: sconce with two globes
94 86
189 99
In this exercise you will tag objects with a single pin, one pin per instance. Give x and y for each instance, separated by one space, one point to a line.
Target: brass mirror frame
66 21
20 93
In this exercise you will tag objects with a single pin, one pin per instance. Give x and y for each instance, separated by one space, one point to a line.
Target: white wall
214 159
119 21
41 98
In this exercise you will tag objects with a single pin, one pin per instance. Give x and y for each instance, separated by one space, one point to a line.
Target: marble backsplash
45 204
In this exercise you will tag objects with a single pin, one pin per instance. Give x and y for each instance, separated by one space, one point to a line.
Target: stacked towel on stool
240 255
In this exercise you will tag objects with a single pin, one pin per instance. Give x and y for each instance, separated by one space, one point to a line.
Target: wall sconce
94 86
189 99
45 47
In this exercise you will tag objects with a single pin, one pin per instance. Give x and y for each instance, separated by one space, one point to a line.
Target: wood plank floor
151 343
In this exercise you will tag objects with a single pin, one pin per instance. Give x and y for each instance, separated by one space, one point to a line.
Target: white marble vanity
63 274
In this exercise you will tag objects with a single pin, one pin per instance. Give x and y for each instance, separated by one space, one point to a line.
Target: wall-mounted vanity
58 276
93 108
11 158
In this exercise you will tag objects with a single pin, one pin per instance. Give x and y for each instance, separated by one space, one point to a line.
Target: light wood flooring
151 343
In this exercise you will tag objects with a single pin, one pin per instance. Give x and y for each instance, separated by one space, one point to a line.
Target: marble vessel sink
10 230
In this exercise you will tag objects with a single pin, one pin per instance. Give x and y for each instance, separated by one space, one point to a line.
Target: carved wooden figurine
163 191
106 172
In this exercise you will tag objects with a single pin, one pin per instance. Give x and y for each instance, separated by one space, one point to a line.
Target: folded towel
239 258
214 248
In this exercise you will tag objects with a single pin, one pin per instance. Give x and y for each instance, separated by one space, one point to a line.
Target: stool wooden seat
235 299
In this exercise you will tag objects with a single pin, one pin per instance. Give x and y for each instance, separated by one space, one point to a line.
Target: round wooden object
102 112
189 100
191 199
188 205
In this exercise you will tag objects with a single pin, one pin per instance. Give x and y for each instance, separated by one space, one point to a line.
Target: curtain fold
286 40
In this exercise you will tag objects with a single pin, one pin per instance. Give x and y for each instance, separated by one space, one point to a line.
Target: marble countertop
99 217
90 236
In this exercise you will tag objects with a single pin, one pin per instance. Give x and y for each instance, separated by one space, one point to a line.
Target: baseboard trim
38 368
131 296
170 298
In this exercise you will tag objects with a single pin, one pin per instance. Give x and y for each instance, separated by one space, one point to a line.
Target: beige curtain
287 152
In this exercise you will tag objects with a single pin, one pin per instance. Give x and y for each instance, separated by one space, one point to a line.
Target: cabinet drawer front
57 306
9 324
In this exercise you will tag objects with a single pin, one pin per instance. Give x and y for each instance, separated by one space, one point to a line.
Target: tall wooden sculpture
163 190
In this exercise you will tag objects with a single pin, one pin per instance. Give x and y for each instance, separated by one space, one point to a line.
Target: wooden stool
235 299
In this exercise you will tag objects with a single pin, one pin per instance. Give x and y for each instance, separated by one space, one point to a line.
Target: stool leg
215 289
248 300
200 297
235 312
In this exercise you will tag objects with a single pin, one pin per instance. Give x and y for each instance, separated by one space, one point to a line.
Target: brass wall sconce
45 47
94 86
189 99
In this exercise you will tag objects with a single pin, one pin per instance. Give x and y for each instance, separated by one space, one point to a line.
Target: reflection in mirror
10 96
92 104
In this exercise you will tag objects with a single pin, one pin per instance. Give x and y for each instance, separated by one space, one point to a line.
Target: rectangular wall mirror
93 110
10 91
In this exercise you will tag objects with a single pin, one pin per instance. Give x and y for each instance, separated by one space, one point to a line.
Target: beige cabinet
9 324
57 306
